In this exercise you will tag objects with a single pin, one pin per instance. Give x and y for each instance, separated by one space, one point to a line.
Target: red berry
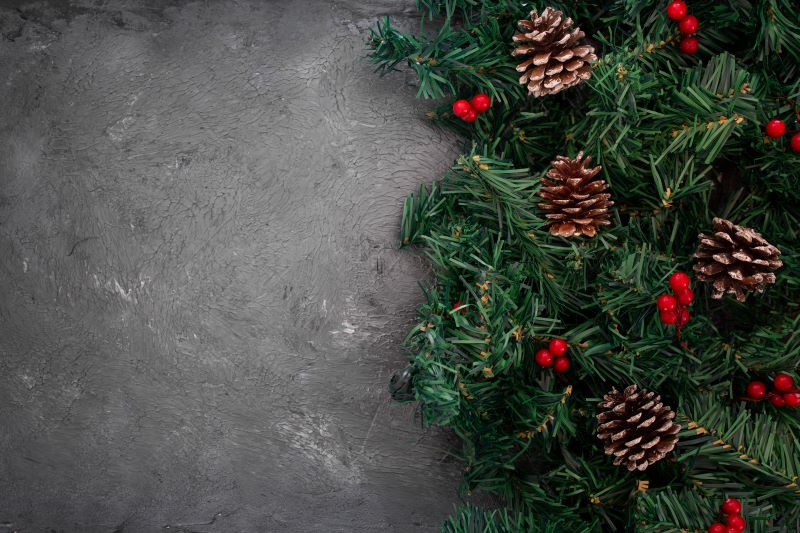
683 317
679 281
666 302
731 529
732 505
792 399
716 527
783 382
736 521
543 358
686 296
459 304
775 128
689 45
676 10
688 24
558 347
561 365
756 390
795 142
480 102
669 317
776 399
461 108
470 117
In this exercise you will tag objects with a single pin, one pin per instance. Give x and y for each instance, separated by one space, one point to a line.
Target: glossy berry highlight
756 390
776 400
783 382
676 10
558 347
543 358
561 365
686 296
792 399
732 505
679 281
688 24
775 128
689 45
461 108
795 142
666 302
480 102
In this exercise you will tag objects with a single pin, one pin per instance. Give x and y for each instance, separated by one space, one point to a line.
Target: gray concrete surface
201 296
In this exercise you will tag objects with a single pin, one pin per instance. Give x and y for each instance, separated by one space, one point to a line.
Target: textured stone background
201 300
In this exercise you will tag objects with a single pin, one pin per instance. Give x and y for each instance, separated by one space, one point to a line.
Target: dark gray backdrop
201 296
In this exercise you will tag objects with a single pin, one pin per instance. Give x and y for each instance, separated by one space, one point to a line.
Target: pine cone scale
637 429
573 201
552 43
725 259
735 260
647 423
648 445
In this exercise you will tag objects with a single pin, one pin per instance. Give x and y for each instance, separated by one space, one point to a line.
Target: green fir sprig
680 140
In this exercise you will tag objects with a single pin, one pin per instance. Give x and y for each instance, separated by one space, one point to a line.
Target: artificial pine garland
690 111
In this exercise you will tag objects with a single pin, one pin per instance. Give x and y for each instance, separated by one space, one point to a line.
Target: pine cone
575 204
735 260
557 60
636 427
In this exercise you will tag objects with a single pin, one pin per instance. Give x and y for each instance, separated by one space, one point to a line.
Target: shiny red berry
669 317
792 399
776 399
732 505
686 296
561 365
470 117
543 358
689 45
730 529
683 317
716 527
775 128
666 302
676 10
558 347
688 24
480 102
795 142
461 108
735 520
783 382
756 390
679 281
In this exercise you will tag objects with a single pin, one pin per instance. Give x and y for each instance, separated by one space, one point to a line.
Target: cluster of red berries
672 307
731 512
554 355
777 128
687 24
468 111
782 394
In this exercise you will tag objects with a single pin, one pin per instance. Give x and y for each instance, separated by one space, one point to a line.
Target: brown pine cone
557 60
735 260
575 203
636 427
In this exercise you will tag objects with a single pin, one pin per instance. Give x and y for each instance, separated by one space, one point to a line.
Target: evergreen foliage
680 139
